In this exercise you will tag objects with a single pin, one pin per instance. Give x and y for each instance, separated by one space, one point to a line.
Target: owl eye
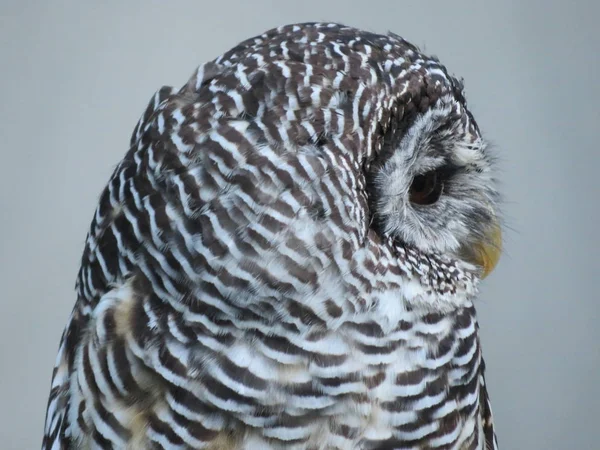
426 188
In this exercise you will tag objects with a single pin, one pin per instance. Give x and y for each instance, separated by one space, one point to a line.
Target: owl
287 258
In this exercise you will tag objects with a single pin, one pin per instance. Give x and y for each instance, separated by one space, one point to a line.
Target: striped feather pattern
232 292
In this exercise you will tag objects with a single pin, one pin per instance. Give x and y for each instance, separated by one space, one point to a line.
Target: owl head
433 184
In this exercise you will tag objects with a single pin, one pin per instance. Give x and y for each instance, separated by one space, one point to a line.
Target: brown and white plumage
264 272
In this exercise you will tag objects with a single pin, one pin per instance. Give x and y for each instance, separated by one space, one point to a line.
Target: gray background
75 77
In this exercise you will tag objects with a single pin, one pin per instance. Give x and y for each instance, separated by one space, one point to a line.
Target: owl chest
365 391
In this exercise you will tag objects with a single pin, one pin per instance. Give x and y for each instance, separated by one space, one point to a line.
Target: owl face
435 188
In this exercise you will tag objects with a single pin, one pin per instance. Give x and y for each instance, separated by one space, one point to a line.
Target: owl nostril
426 188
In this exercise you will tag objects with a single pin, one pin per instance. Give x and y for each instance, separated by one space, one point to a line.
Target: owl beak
486 253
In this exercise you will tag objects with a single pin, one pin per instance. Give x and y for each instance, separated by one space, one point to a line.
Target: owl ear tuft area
157 99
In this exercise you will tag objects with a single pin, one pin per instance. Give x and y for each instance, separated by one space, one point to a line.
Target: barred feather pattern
233 293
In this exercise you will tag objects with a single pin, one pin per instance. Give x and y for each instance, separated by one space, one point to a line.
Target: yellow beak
487 252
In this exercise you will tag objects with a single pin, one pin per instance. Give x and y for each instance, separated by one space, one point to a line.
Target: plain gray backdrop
76 76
